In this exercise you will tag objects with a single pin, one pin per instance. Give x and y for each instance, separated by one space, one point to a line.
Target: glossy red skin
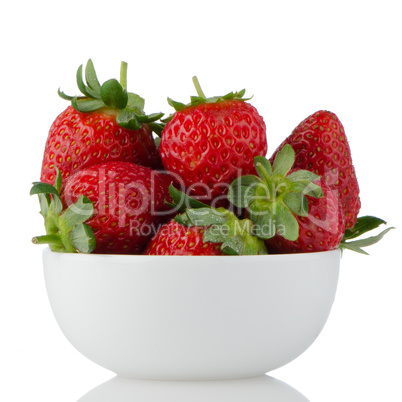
128 204
321 230
211 144
176 239
78 140
321 147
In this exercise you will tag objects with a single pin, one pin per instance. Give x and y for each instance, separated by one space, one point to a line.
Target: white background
295 57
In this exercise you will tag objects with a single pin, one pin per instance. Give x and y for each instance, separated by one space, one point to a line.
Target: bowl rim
140 257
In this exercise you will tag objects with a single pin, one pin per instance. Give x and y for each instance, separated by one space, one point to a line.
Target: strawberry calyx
363 225
235 235
201 98
66 231
276 195
112 98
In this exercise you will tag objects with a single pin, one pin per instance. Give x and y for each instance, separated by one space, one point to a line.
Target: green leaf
303 175
77 213
206 216
357 245
56 206
44 202
297 203
241 196
136 101
128 118
182 201
216 234
150 118
264 224
288 223
313 190
83 238
80 82
113 94
233 246
236 236
157 128
86 105
363 225
57 181
284 161
43 188
157 141
242 190
263 167
64 96
88 92
183 219
306 187
197 100
91 78
239 95
176 105
352 247
247 180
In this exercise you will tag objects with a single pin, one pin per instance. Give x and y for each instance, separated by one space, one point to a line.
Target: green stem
123 75
198 87
270 183
51 240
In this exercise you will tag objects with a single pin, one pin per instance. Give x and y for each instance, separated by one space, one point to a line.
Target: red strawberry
176 239
107 124
127 205
322 229
78 140
289 210
321 147
211 141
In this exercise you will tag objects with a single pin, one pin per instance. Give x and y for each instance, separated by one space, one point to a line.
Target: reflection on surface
256 389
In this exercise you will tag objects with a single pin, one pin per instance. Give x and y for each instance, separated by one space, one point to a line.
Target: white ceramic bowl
191 318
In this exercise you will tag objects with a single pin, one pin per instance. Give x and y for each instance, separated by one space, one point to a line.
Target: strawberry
292 210
176 239
211 141
128 204
321 147
201 230
106 124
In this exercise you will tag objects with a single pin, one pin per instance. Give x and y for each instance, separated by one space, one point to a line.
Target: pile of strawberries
115 180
